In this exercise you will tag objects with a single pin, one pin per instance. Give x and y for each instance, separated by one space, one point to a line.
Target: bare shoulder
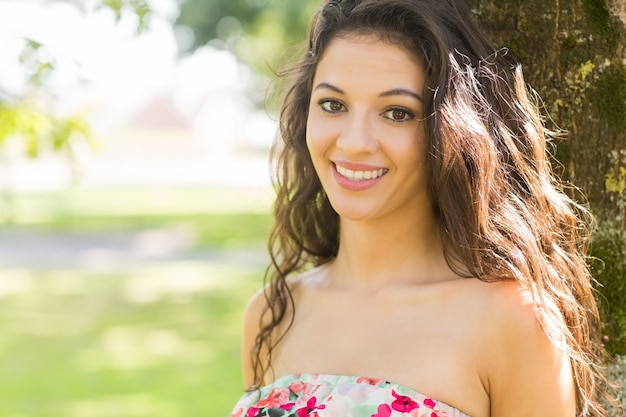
505 307
526 373
510 313
252 316
254 309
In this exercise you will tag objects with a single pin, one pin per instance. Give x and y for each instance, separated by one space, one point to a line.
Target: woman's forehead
366 58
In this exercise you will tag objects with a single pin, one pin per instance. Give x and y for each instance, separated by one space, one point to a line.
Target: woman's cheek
320 132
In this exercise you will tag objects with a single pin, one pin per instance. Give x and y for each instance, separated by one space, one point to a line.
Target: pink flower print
309 391
370 381
402 403
383 411
430 403
276 398
297 387
253 412
310 408
237 413
287 407
437 413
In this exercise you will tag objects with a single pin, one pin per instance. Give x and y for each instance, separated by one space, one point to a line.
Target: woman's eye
398 115
331 106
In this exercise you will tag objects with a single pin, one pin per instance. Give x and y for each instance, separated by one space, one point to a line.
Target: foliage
30 116
257 31
139 8
39 129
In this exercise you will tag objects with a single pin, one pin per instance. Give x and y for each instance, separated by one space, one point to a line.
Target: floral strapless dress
315 395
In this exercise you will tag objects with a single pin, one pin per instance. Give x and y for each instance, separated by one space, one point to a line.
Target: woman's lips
357 178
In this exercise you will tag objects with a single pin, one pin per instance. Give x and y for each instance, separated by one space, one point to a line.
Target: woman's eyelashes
395 114
398 114
331 106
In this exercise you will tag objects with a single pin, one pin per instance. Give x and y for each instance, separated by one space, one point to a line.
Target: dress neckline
336 380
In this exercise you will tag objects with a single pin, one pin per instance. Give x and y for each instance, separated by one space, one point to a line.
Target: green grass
225 218
211 230
161 341
150 341
39 208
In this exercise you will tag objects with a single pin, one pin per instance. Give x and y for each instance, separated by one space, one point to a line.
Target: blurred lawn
152 340
218 217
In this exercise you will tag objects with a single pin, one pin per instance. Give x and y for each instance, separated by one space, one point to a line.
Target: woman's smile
358 179
360 175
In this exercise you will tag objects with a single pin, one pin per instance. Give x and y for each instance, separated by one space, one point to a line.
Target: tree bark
573 53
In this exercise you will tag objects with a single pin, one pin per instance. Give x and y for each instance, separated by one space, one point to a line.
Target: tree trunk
573 52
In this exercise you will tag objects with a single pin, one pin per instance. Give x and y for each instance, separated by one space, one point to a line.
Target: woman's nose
357 135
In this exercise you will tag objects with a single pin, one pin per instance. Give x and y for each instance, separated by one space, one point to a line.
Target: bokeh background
134 198
135 190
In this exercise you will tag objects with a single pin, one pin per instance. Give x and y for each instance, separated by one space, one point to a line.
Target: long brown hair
503 214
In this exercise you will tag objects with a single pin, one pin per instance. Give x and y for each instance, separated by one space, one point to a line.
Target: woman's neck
377 253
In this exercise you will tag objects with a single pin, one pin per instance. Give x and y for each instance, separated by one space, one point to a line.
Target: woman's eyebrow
402 92
392 92
328 86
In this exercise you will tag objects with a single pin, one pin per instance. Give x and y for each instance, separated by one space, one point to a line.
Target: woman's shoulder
256 316
509 309
521 363
506 310
251 326
496 299
258 302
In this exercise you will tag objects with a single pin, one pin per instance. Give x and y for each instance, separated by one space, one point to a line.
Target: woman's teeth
360 175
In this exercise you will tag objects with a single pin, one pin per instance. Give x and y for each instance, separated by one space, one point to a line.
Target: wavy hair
503 213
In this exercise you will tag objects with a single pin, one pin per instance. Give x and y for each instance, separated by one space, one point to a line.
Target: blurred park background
135 191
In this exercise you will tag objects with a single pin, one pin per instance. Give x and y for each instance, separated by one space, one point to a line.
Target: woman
425 260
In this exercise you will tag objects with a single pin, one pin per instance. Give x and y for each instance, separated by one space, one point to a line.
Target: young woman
425 259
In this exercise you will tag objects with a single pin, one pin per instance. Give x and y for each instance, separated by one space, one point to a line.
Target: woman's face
365 131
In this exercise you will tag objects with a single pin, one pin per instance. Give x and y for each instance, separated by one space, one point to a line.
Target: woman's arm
528 375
